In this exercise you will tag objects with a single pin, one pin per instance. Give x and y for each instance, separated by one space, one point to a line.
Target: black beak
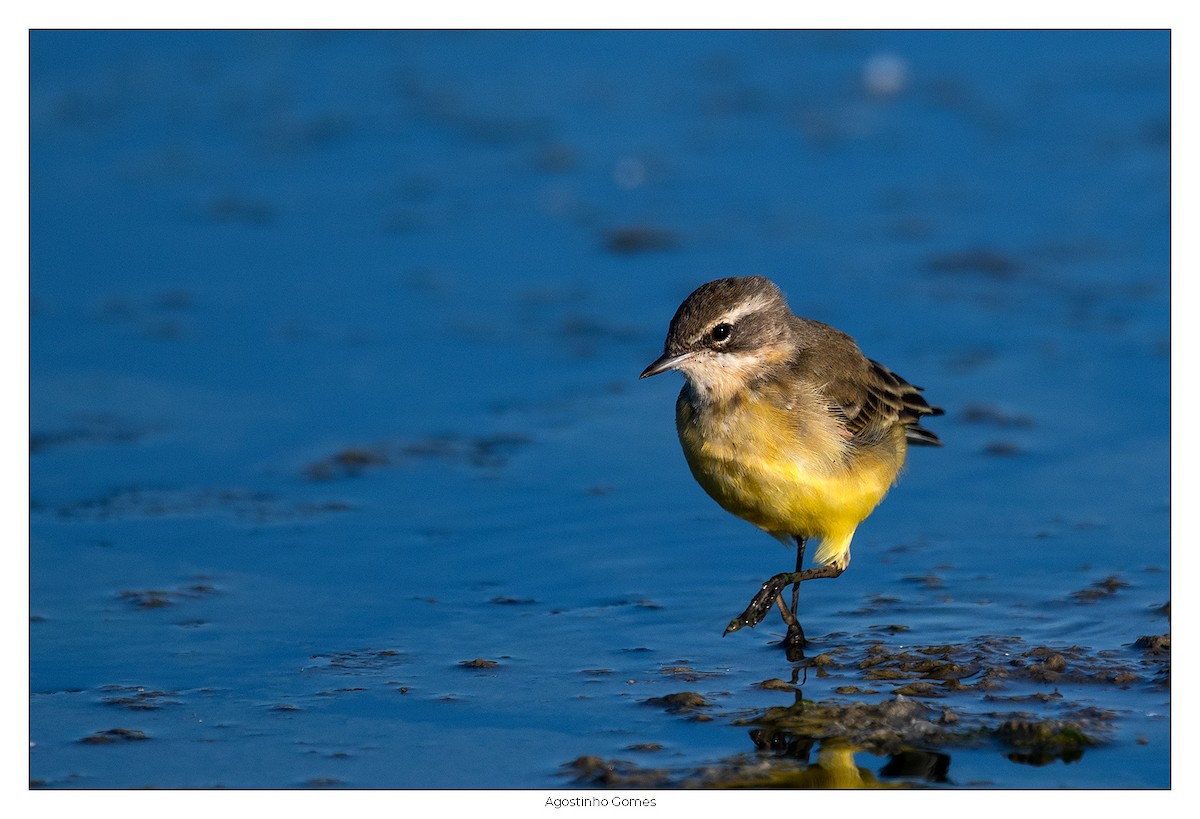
664 362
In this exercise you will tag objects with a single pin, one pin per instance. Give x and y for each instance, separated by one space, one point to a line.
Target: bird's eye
721 332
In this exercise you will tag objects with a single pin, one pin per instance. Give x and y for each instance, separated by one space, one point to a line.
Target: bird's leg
762 602
801 542
788 615
794 642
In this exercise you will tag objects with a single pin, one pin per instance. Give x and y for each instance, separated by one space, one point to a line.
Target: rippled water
334 354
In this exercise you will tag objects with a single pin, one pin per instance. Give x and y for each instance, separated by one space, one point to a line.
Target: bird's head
727 333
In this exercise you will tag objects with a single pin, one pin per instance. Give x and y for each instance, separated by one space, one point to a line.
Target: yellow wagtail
786 424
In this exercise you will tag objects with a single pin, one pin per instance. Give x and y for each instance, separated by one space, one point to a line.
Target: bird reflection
835 766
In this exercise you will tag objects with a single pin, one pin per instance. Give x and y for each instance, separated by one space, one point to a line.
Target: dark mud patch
995 416
115 736
633 239
246 506
641 603
162 598
1002 449
357 661
986 262
348 462
684 702
338 692
487 452
905 712
135 698
1154 645
90 430
1041 743
1156 649
989 663
645 747
637 603
1100 590
822 745
479 663
683 670
323 782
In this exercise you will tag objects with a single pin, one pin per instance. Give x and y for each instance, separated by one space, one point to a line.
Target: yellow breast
789 470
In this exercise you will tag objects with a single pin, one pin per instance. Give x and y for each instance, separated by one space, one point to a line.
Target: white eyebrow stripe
754 304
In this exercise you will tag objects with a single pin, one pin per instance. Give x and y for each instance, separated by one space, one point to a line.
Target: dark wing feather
905 403
868 398
878 399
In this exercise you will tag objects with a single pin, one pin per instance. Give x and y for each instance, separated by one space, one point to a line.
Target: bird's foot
761 603
793 643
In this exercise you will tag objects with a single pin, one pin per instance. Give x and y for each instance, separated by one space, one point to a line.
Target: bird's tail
913 407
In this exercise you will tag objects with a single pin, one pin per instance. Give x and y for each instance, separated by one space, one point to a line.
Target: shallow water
334 354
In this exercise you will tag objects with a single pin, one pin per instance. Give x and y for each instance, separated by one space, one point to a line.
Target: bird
786 424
